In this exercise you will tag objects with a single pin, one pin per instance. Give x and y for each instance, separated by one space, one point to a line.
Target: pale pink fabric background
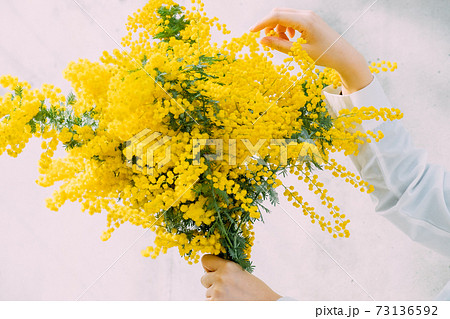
55 256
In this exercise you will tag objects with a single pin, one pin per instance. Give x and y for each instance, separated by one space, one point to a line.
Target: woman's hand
324 45
226 280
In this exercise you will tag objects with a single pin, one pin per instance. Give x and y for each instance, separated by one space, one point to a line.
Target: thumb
277 44
282 45
212 263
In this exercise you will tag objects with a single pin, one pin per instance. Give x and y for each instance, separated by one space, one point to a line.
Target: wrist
356 76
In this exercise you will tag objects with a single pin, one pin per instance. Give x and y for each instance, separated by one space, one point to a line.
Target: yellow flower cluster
225 119
383 66
16 109
330 76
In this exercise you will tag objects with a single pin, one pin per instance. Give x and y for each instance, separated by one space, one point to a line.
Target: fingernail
251 28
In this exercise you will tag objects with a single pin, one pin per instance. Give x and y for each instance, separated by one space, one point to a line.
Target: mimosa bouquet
187 137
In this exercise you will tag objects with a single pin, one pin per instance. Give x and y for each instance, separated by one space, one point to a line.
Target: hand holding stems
323 44
226 280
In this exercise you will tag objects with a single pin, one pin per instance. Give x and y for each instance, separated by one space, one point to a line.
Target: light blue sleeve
412 194
286 298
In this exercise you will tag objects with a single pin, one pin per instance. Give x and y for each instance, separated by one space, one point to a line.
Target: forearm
355 76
